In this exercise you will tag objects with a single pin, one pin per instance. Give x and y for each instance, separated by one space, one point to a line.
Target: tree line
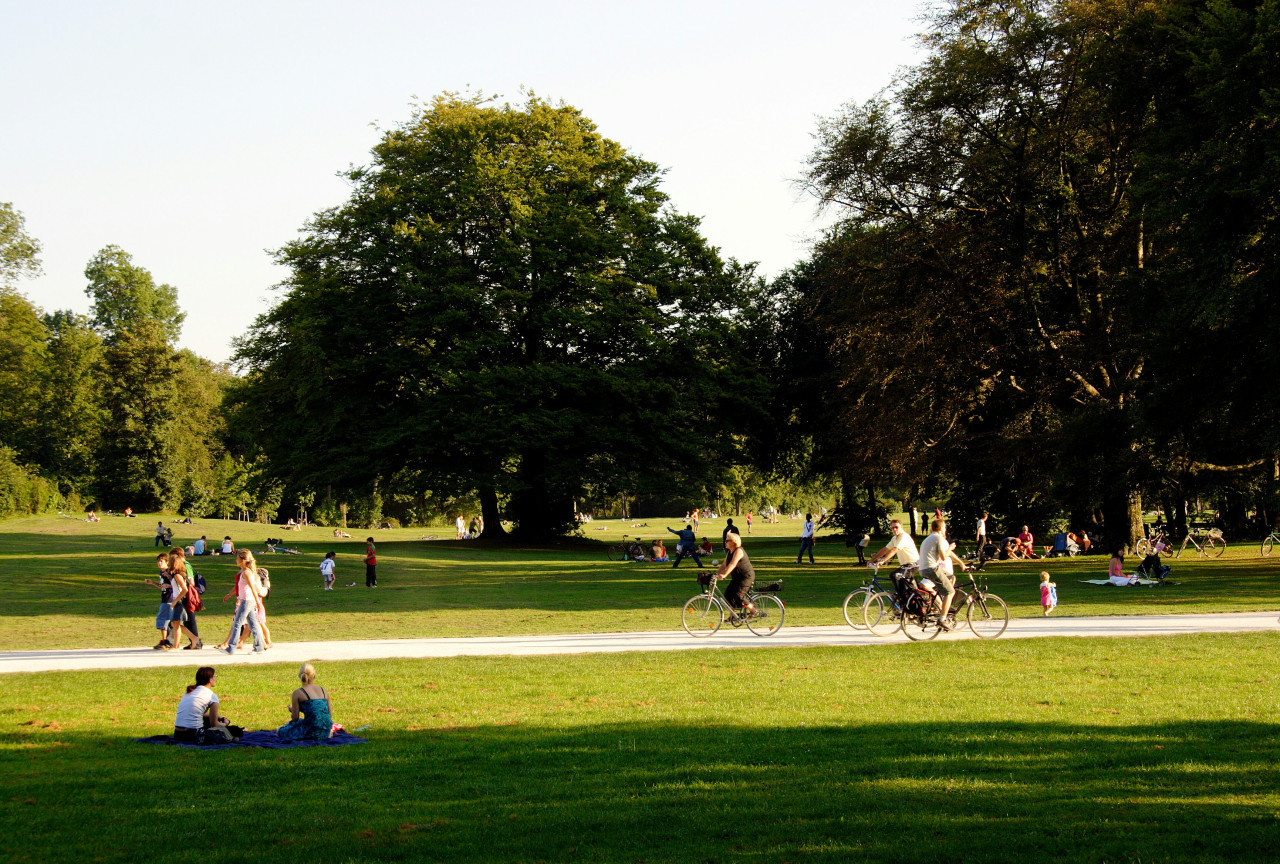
1049 293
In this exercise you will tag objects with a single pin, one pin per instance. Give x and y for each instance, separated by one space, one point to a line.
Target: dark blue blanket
265 738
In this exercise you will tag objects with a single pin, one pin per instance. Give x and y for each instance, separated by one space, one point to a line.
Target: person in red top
370 565
1024 543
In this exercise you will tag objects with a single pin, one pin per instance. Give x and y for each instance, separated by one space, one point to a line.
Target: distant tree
22 348
19 251
507 305
125 296
140 390
70 413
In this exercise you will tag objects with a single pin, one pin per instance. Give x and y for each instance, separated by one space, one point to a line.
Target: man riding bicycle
936 557
900 543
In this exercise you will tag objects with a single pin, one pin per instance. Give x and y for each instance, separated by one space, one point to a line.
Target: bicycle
911 609
627 550
704 613
1145 546
1269 543
1212 547
858 598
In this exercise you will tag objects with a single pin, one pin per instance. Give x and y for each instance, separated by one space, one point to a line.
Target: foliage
506 304
21 491
125 296
19 251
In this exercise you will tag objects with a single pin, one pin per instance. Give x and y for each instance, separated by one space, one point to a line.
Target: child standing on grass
1048 594
327 566
371 565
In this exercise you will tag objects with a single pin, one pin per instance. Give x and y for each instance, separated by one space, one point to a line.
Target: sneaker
259 650
946 625
162 645
231 649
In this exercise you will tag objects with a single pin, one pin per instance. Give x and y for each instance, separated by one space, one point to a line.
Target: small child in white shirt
327 566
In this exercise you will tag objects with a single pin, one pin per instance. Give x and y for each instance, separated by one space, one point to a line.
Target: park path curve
590 643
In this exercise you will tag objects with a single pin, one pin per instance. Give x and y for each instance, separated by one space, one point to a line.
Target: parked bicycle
1269 543
910 608
1211 544
627 550
703 614
1146 545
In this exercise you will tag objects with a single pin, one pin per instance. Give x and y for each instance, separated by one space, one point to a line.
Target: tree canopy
506 304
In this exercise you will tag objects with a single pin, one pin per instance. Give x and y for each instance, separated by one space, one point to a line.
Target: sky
199 137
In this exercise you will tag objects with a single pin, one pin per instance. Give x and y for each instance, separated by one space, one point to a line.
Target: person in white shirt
901 543
326 569
198 709
982 532
806 539
936 555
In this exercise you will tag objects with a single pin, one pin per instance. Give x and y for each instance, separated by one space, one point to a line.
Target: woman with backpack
186 601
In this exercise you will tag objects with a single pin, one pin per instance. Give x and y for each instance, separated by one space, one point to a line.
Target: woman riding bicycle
737 566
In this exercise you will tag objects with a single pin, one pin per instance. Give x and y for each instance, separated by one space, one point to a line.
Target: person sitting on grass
311 710
1116 573
197 720
1025 543
338 533
706 548
659 552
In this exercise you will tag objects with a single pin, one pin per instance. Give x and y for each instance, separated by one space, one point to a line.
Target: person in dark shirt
688 545
737 567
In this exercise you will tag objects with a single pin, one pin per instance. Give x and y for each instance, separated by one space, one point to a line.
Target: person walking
748 521
248 599
806 539
982 532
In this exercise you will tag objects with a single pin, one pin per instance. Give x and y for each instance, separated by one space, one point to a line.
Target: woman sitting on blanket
197 720
1116 574
311 701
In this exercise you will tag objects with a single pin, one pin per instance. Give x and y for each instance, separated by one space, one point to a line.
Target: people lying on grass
311 710
1115 575
900 543
337 533
737 566
248 603
659 552
181 619
164 614
197 720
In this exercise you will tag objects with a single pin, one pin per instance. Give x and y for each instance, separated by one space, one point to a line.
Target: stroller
1063 546
1152 568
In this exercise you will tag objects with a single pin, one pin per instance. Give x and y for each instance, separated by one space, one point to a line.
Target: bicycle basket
771 588
704 578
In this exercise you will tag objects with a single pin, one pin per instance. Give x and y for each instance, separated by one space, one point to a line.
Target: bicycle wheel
1213 547
1142 548
881 616
614 553
988 616
769 615
919 627
1267 544
854 603
702 615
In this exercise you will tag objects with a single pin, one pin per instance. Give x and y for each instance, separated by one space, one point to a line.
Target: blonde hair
307 674
247 557
736 538
1044 575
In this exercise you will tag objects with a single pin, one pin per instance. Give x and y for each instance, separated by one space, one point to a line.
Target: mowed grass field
1155 749
65 583
1058 750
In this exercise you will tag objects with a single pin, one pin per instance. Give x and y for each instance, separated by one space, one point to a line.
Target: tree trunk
491 515
1122 521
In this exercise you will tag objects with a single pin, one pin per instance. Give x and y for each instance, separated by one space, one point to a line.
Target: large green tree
506 304
125 296
993 293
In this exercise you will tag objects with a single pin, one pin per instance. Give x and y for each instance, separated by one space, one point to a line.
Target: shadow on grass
896 791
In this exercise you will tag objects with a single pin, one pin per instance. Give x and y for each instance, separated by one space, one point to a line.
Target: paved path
667 640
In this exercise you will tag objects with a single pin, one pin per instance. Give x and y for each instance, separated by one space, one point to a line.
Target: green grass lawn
1157 749
66 583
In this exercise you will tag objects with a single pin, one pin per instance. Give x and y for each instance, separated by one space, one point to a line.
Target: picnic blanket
1148 582
264 738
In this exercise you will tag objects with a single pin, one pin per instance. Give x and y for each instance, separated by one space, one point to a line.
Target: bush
23 492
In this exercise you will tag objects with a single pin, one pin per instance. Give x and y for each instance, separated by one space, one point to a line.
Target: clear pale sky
200 136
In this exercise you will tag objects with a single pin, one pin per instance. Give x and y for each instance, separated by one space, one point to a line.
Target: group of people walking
181 588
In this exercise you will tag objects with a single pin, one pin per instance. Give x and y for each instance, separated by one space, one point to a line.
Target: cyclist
936 555
900 543
737 566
